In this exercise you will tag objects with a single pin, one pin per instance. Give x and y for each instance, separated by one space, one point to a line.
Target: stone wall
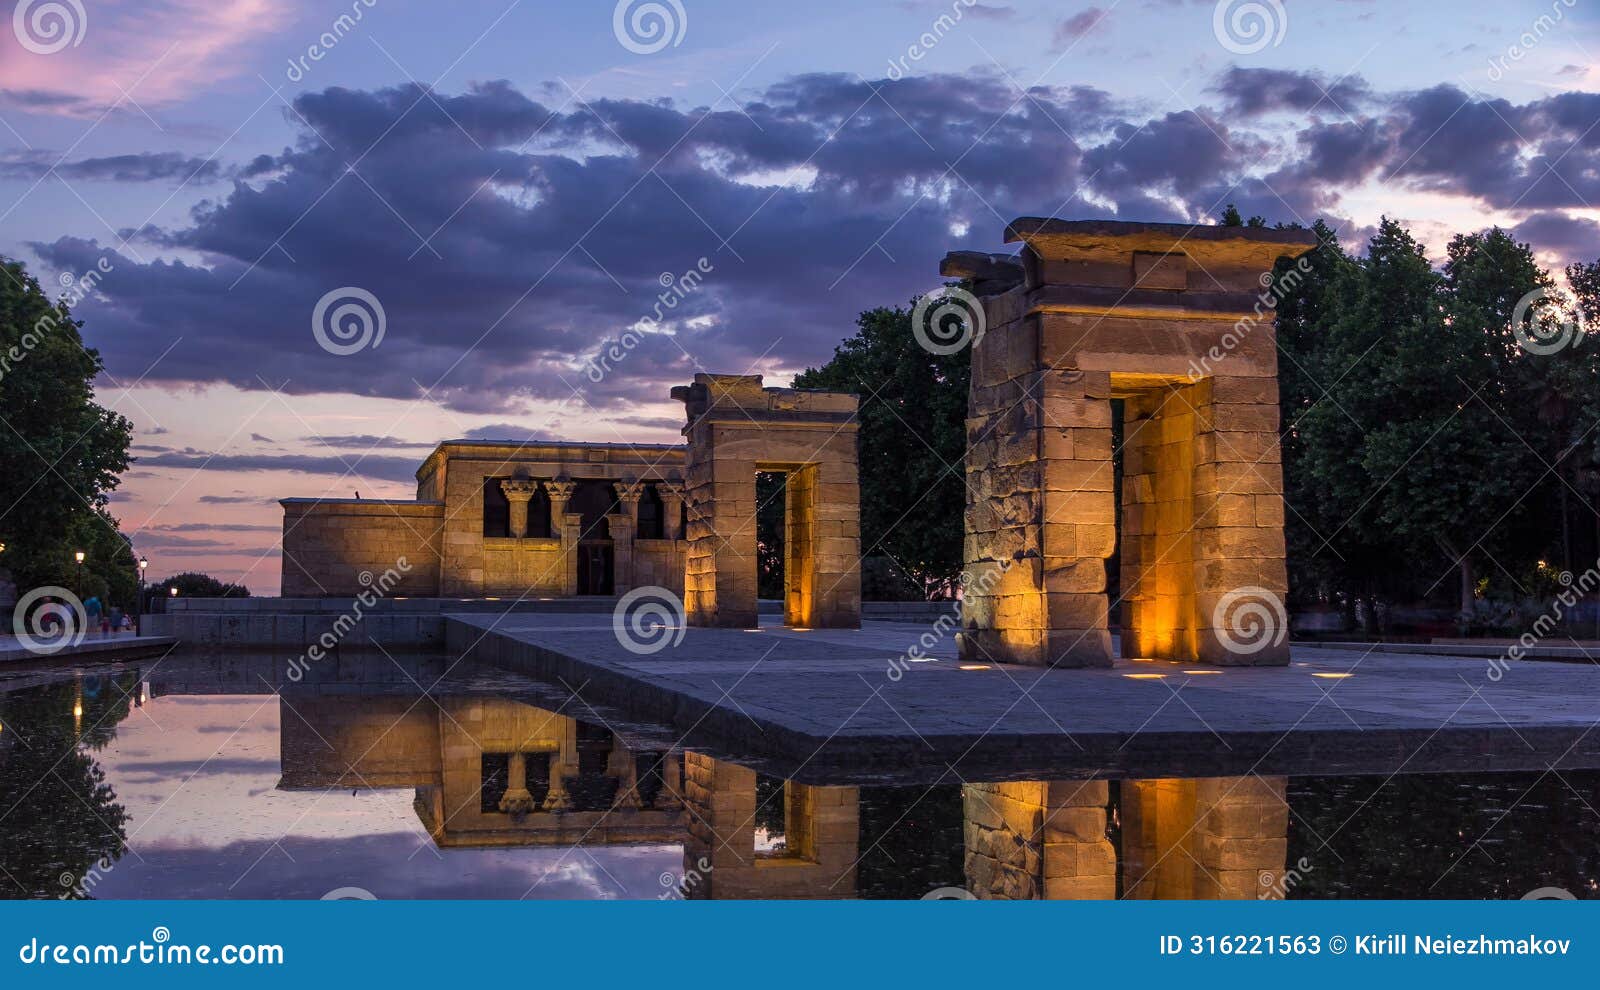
736 429
821 827
339 547
1210 838
1171 320
1037 839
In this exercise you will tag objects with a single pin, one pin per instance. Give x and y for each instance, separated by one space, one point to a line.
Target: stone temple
1153 340
557 519
1172 323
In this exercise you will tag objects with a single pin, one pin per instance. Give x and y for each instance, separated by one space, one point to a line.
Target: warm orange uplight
1144 677
974 666
1202 672
1333 677
77 711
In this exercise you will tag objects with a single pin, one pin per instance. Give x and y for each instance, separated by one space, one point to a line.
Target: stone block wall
821 830
340 547
736 429
1037 839
1172 321
1212 838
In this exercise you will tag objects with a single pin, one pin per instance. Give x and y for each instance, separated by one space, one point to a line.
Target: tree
193 584
63 451
1415 449
913 445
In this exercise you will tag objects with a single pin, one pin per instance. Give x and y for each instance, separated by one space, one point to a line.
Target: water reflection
227 784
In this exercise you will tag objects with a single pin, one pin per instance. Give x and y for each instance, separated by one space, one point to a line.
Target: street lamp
138 602
78 556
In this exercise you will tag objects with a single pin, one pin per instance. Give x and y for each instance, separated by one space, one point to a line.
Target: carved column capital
561 491
519 489
629 492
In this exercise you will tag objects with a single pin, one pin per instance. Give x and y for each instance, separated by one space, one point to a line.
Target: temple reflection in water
495 772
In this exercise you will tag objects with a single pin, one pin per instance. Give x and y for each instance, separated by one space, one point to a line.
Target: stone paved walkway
820 705
98 645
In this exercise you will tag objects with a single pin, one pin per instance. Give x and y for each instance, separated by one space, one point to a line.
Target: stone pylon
1174 324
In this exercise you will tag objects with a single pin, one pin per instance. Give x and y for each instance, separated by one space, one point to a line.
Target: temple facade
501 519
557 519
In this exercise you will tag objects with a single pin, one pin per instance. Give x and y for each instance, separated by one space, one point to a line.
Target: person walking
92 610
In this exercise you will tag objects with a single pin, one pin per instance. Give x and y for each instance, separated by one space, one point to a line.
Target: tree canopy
63 451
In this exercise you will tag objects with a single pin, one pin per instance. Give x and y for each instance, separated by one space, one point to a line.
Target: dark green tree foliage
192 584
913 443
62 450
61 817
1409 412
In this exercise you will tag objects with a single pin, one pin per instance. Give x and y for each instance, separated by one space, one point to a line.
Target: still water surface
197 778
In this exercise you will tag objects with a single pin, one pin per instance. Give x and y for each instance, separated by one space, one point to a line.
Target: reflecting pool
391 778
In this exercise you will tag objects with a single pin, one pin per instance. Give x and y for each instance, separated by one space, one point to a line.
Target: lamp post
138 601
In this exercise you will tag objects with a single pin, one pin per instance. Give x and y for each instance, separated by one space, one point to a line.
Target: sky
324 235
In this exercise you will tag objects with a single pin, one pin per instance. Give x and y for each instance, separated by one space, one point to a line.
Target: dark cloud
1254 91
510 432
209 528
1571 238
511 245
163 166
356 465
237 500
367 441
1085 21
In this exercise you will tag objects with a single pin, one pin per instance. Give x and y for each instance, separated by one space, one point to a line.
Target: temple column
517 801
568 526
622 765
557 799
624 525
670 797
519 492
671 493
